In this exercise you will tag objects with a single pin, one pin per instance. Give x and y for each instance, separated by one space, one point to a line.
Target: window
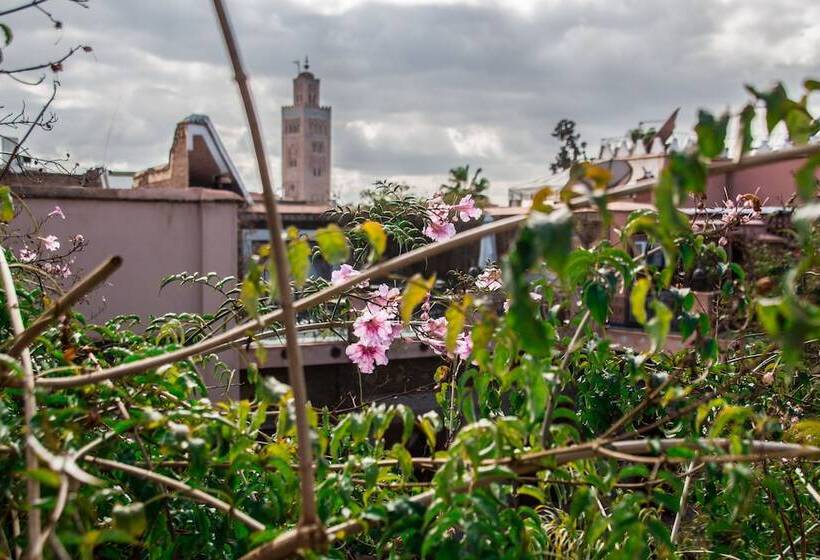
317 171
318 148
292 127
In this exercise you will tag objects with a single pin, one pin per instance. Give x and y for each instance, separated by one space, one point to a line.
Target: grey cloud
416 70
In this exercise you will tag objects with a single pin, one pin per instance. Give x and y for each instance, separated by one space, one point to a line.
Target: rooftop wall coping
193 194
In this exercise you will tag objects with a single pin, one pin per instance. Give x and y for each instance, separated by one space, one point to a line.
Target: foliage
519 460
571 150
460 184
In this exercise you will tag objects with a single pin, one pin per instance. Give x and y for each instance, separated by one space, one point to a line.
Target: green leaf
553 235
456 316
376 237
747 116
6 204
45 476
658 326
711 133
637 299
580 502
812 85
415 292
596 299
298 256
806 178
430 424
401 454
130 518
333 244
7 34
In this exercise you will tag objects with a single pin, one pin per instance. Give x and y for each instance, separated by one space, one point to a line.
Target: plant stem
197 495
29 408
295 368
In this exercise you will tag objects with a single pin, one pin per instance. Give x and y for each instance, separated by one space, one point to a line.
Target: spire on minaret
307 64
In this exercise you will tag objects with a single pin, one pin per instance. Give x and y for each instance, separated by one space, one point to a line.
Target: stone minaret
306 143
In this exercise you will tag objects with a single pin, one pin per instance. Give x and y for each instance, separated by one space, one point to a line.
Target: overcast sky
416 87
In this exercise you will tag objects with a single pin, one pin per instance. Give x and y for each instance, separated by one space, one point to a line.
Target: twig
246 329
31 128
72 296
197 495
52 64
684 497
546 436
29 405
291 541
296 371
382 269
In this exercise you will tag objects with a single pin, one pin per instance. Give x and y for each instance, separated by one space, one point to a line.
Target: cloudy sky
416 86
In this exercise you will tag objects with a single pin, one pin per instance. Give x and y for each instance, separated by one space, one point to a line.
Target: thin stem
546 436
31 128
29 408
684 497
196 495
71 297
294 353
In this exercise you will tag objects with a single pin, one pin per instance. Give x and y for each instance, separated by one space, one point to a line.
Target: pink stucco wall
774 183
156 233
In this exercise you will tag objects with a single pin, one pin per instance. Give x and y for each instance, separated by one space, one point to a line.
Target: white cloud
476 142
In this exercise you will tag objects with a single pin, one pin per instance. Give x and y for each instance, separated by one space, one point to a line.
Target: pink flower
723 241
466 209
57 212
384 298
345 273
436 328
27 255
51 242
61 270
439 230
367 356
489 280
78 239
464 345
374 328
768 378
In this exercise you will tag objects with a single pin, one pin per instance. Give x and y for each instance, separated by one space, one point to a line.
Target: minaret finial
307 64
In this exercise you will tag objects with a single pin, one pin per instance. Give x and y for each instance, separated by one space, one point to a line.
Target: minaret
306 143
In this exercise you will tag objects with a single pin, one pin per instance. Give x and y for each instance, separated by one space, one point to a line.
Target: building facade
306 143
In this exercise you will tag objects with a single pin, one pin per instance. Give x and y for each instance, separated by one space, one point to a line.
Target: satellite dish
620 170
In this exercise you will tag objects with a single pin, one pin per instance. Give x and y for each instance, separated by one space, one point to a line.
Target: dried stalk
382 269
248 328
684 498
181 487
66 302
29 407
294 352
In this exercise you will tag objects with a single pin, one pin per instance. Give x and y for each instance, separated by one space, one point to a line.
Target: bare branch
29 404
55 65
71 297
296 372
29 131
197 495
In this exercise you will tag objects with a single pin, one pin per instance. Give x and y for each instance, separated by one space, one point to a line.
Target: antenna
298 66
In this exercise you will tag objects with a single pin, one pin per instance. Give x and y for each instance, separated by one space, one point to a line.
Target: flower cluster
434 332
39 253
442 216
741 211
489 279
376 328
